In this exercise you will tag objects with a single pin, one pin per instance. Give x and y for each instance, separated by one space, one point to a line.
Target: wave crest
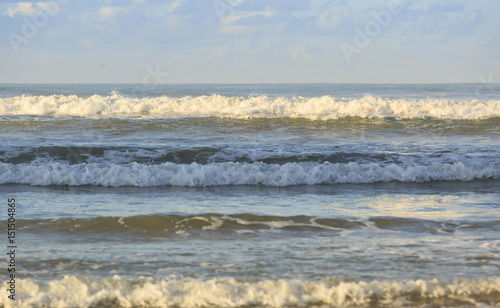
228 292
230 173
317 108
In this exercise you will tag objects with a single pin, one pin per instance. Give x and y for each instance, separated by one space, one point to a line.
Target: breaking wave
318 108
234 173
73 291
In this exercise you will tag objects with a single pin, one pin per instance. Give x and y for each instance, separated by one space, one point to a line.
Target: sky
249 41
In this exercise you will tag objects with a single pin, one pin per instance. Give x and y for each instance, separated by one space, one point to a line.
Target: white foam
121 221
322 108
230 173
227 292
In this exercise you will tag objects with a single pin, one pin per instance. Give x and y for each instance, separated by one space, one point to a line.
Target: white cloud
219 53
32 8
295 33
110 12
174 5
299 52
325 20
47 6
22 8
316 6
236 16
161 10
237 23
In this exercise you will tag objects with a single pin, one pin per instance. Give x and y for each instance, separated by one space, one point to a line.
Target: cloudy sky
249 41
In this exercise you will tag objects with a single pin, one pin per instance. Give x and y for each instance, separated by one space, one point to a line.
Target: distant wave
72 291
152 226
165 225
318 108
231 173
207 155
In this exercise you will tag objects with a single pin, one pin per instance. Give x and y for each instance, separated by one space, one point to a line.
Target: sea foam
231 173
71 291
318 108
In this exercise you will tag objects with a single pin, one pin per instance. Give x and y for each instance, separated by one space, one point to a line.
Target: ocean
258 195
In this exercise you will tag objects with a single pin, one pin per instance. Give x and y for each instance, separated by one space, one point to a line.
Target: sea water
272 195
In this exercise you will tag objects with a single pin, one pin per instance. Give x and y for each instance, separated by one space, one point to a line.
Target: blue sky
249 41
